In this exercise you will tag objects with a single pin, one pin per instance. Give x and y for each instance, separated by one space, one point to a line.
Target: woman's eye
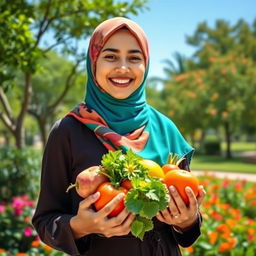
110 57
135 58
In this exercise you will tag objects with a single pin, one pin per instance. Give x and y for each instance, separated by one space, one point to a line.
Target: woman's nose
122 67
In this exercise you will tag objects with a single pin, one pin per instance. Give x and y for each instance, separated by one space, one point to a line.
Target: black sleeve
53 211
188 237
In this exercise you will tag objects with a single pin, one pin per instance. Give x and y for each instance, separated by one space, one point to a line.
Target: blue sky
169 21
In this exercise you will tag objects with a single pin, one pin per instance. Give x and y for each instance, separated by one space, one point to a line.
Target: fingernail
172 188
96 194
120 196
188 189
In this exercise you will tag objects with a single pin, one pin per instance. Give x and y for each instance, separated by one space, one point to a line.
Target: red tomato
170 167
107 193
126 184
180 179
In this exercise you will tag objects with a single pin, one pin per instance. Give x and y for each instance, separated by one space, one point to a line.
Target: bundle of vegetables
147 195
143 181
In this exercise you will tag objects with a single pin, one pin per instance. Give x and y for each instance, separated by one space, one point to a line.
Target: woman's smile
121 81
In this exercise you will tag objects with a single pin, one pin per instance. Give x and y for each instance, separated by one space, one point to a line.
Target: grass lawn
219 163
240 146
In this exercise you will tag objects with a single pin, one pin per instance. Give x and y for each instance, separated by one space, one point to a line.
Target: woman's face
120 66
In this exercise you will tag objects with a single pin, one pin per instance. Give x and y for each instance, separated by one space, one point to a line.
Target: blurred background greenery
211 96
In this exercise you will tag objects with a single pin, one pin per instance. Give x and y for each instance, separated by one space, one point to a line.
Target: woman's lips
121 82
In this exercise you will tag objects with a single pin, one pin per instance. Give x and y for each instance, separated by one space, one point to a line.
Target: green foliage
212 147
17 50
217 87
20 171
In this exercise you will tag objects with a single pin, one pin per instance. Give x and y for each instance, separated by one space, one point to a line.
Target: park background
202 75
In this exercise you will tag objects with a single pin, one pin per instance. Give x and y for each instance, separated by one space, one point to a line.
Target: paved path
229 175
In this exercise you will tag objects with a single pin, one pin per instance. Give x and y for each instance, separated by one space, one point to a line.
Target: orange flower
224 114
223 228
216 216
2 250
251 231
253 202
189 249
181 77
224 206
213 237
35 243
231 223
21 254
48 248
213 111
235 213
225 246
223 71
249 195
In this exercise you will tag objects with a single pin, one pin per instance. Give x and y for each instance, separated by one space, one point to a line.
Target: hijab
128 123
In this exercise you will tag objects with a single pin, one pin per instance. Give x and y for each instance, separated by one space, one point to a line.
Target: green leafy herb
141 225
118 166
146 199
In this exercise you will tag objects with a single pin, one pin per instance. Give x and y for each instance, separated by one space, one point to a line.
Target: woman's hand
87 221
178 214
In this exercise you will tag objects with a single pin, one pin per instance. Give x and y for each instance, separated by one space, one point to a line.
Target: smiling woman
114 116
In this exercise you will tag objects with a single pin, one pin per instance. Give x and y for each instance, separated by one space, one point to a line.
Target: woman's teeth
121 81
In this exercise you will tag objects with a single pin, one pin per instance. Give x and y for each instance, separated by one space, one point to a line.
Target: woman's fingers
110 206
119 219
124 228
201 195
88 201
176 204
193 204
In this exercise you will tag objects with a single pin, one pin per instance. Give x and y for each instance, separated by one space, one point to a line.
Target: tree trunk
192 137
19 130
228 140
201 140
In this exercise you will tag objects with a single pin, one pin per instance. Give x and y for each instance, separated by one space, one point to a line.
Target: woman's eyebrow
116 50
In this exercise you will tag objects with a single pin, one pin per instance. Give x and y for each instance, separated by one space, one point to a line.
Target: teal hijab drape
123 116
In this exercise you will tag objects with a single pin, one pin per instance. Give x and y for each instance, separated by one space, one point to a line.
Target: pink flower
18 206
28 231
2 208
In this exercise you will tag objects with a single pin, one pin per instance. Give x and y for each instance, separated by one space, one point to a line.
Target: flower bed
229 226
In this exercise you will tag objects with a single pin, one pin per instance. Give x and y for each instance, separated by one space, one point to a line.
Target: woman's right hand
87 221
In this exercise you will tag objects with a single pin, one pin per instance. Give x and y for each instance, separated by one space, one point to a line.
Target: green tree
52 83
25 29
227 53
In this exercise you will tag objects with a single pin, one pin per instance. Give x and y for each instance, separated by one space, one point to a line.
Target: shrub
20 171
212 147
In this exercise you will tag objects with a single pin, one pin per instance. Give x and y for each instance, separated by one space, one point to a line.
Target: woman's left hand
178 213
